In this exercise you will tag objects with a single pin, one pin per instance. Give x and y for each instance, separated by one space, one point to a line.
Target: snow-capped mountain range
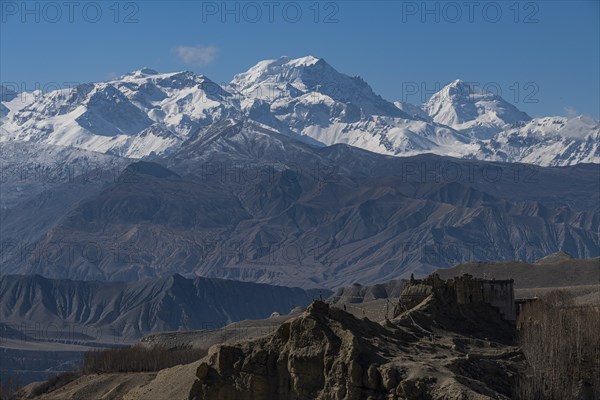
146 113
471 110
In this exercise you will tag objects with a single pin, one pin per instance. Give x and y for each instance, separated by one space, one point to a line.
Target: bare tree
562 345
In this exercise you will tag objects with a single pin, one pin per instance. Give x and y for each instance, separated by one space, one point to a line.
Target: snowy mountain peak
140 73
459 87
188 78
312 80
459 90
280 70
467 107
148 71
143 72
146 113
302 61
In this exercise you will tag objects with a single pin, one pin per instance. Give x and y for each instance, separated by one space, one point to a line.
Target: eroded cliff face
329 354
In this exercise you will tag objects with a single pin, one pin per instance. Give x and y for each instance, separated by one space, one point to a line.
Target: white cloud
196 55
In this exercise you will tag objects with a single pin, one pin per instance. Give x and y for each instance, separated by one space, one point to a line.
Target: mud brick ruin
463 290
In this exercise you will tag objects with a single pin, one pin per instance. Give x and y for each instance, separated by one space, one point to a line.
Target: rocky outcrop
324 353
327 353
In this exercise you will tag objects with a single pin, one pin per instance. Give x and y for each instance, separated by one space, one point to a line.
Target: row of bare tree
562 345
139 358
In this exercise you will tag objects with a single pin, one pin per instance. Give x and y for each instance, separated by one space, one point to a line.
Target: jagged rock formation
327 353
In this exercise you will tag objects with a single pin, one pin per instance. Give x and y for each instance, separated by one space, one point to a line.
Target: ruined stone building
463 290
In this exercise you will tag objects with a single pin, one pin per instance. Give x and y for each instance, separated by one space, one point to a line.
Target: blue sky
542 56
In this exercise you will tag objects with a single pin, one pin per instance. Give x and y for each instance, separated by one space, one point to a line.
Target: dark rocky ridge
242 202
132 309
